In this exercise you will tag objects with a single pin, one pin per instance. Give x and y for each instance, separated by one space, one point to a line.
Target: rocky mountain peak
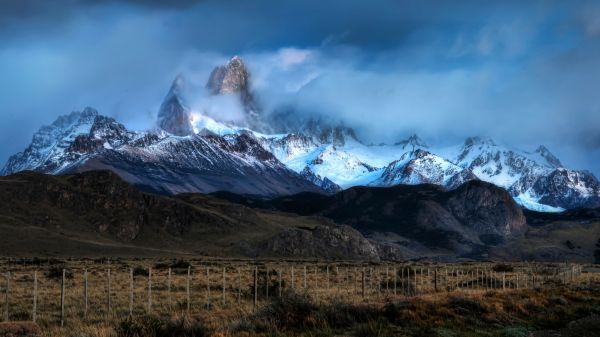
230 78
233 78
550 158
174 116
472 141
413 142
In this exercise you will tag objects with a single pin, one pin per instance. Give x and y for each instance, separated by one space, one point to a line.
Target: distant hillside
96 213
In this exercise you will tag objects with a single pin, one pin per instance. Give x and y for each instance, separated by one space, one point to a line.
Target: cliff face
233 78
487 209
174 116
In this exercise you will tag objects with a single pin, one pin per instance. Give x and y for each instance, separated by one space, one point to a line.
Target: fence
56 295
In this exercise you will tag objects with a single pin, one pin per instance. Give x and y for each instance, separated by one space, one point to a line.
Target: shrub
149 326
503 267
463 305
373 329
140 271
56 272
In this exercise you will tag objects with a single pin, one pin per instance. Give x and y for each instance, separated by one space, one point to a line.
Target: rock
487 209
326 242
233 78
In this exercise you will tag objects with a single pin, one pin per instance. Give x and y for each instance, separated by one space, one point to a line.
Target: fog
522 74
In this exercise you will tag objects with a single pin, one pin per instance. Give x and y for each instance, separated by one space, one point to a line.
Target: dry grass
328 306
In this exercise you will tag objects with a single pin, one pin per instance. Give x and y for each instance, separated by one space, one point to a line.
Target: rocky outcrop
327 242
233 78
487 209
174 116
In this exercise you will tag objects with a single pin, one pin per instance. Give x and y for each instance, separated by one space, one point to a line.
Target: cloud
524 73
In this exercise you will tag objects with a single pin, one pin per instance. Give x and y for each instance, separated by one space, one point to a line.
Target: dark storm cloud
522 72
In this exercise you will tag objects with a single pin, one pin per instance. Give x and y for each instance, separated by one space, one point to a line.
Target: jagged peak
548 156
236 61
174 116
414 141
178 85
477 140
88 113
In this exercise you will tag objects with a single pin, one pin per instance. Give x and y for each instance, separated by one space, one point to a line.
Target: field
170 297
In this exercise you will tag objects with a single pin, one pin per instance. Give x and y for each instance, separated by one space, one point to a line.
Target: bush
56 272
503 267
373 329
149 326
289 311
179 267
463 305
140 271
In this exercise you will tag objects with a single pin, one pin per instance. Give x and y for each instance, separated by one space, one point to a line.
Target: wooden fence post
187 289
327 273
435 280
149 289
239 293
225 285
108 304
169 302
255 286
387 279
402 279
395 280
62 299
280 281
415 280
7 297
293 281
35 285
267 279
130 292
207 287
305 278
363 283
327 277
428 280
503 280
316 278
85 292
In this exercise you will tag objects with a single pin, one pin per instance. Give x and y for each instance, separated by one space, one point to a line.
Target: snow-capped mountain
283 153
157 160
420 167
537 180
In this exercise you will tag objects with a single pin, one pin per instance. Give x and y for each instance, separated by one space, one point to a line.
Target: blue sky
522 72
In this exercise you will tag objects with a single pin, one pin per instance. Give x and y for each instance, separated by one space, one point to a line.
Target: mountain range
272 154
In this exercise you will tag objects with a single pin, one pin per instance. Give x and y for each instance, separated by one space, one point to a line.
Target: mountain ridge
311 154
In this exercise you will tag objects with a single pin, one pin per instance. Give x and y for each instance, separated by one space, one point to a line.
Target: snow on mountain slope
537 176
157 160
56 147
420 167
